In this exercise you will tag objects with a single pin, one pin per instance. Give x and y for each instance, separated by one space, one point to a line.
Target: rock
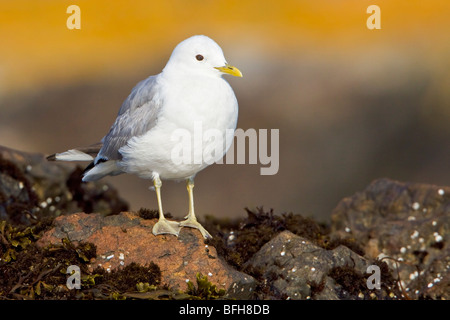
408 224
401 228
126 238
32 188
299 269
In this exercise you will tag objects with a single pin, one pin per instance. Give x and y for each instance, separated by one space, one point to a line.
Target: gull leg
191 220
163 225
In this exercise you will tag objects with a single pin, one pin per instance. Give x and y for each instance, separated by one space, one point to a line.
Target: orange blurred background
351 104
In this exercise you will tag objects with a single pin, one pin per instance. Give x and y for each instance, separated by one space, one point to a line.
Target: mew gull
189 93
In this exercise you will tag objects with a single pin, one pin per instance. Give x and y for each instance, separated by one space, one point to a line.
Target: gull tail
79 154
97 169
71 155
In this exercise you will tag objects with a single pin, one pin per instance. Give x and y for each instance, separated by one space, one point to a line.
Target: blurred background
351 104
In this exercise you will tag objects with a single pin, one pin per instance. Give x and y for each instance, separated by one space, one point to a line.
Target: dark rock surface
408 222
299 269
32 188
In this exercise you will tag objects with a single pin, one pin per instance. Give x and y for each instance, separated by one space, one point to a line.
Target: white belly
189 135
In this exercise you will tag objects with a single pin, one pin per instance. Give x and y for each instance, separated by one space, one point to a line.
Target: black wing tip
89 167
51 157
93 164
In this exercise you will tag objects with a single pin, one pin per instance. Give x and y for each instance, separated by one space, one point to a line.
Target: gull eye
199 57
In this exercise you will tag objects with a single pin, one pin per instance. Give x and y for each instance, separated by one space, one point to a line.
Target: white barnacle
283 252
413 275
437 237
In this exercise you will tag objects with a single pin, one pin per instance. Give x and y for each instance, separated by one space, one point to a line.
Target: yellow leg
163 226
191 220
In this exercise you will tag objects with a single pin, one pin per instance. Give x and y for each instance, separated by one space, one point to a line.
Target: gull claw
193 223
164 226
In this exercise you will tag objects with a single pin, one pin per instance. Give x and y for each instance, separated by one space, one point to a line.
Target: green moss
14 239
204 290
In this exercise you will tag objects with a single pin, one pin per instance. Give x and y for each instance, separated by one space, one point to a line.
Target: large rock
125 238
402 228
407 224
299 269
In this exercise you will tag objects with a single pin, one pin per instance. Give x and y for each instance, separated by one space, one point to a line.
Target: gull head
199 55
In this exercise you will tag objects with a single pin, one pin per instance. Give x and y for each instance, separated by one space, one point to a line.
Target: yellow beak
230 70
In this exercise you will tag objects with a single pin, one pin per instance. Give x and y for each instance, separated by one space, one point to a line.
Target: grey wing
137 115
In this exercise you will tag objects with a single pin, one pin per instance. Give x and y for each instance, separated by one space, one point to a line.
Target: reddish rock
125 238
